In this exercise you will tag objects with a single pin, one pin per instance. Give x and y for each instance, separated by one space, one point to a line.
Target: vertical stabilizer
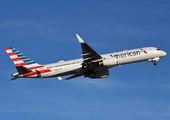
20 59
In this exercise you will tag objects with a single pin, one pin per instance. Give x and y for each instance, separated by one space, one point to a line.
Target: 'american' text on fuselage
128 54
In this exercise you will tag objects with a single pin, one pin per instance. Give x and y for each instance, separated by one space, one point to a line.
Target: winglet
80 39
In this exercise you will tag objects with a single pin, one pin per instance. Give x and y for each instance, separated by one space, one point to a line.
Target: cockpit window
158 49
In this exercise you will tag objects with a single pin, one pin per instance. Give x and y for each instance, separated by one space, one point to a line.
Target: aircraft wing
71 77
90 56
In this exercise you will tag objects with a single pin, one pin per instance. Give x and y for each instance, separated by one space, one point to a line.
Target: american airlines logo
143 51
128 54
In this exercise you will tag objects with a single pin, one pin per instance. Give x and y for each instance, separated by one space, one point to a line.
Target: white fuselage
91 65
117 58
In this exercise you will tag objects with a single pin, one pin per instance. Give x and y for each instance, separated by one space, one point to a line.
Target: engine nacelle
109 62
100 74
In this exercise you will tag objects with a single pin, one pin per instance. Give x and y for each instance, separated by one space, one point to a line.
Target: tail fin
20 59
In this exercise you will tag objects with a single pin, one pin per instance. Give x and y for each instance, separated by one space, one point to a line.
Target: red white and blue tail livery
92 65
26 67
20 59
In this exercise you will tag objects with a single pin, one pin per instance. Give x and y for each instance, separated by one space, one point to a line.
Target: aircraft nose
164 53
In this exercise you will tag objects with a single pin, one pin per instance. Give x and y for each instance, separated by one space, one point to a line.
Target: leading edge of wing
87 51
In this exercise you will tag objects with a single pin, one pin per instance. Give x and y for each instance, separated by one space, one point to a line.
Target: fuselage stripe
35 67
36 72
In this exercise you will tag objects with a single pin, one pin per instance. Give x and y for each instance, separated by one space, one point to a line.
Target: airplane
91 65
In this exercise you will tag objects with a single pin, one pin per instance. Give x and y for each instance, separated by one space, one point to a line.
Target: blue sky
45 31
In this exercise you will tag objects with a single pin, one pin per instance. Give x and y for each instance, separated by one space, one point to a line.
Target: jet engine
109 62
98 74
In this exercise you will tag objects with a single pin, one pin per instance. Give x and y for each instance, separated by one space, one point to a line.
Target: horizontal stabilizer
22 69
14 78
